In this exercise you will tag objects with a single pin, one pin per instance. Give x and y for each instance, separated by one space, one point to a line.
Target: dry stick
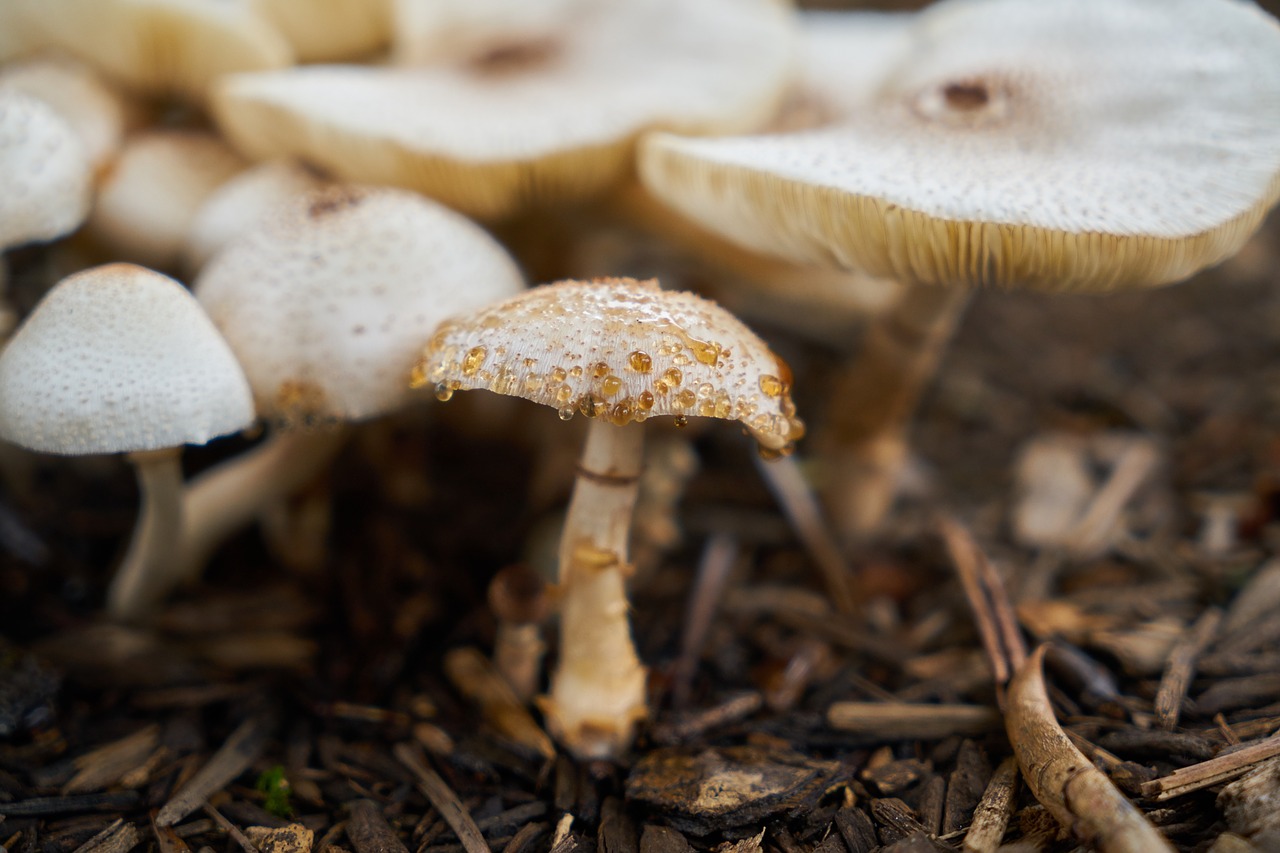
438 792
991 818
118 837
907 721
368 829
1091 532
234 757
801 508
230 829
984 589
865 437
477 680
1079 795
718 559
1181 667
1211 772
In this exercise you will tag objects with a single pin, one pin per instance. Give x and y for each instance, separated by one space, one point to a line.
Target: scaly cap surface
44 172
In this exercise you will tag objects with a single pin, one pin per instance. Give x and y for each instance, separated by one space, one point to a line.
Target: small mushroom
536 124
330 30
44 171
327 304
1073 145
519 600
435 30
120 359
617 351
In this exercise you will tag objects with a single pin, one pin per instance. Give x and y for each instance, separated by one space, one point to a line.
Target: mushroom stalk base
141 581
228 497
598 689
865 437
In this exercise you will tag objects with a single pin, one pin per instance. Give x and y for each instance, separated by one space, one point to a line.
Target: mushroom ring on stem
617 351
1062 145
120 359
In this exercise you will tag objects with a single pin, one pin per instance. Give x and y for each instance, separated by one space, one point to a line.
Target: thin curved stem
865 437
229 496
598 689
142 578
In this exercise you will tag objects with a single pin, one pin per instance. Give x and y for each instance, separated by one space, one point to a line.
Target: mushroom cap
241 203
119 359
327 303
1063 144
44 171
149 198
159 45
618 349
94 110
330 30
434 30
538 124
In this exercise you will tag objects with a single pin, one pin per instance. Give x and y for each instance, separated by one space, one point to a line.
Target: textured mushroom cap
327 304
545 123
330 30
1072 144
159 45
618 349
93 109
117 359
148 200
241 203
434 30
44 172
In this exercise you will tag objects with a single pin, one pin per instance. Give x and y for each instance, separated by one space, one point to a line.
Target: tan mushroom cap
433 30
152 194
538 124
327 303
621 350
44 172
178 46
329 30
119 359
1062 144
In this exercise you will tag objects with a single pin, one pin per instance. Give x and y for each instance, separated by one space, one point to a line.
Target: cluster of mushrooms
317 217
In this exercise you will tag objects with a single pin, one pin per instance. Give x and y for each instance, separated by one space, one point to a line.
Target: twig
234 757
230 829
1091 534
991 818
1181 667
118 837
1208 773
718 559
438 792
1079 795
904 720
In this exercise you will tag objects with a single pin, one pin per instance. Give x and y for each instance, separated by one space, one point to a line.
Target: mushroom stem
598 689
140 581
865 435
229 496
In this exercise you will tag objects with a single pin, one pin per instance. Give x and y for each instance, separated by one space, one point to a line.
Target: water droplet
681 359
681 421
576 371
645 400
443 393
672 377
640 362
473 359
589 406
771 385
707 409
530 362
600 370
704 351
565 413
705 390
622 413
417 376
684 400
660 387
563 393
611 385
558 375
532 383
722 407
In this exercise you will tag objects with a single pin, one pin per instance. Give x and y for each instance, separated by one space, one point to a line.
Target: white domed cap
44 172
621 350
551 124
94 110
240 204
119 359
1062 144
150 197
328 302
159 45
330 30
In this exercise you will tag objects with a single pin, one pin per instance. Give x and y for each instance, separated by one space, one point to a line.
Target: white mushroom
330 30
43 169
618 351
119 359
327 304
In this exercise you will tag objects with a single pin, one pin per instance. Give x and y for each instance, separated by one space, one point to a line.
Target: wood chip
234 757
1251 804
965 787
906 721
292 838
663 839
443 798
368 830
1079 795
108 764
1212 772
119 837
991 817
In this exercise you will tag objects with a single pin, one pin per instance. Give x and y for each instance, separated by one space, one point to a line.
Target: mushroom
534 124
618 351
156 46
435 30
120 359
1087 145
151 195
520 603
327 304
330 30
44 171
